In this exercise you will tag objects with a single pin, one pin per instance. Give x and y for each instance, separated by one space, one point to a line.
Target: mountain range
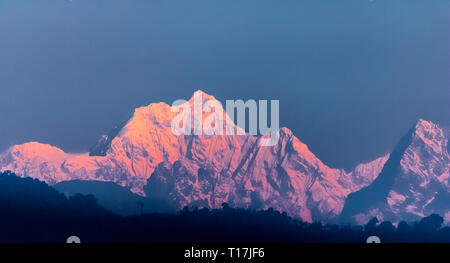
146 157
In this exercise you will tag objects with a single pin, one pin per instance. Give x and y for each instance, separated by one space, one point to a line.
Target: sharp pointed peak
199 91
424 127
422 122
284 131
205 96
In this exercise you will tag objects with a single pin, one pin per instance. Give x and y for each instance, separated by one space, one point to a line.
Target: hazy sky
351 76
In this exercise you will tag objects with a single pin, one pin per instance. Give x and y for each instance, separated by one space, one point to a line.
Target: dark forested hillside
31 211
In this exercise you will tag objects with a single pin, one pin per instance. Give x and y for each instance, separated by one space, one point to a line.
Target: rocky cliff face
287 177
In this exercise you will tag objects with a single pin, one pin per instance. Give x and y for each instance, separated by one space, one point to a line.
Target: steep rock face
203 170
414 183
287 177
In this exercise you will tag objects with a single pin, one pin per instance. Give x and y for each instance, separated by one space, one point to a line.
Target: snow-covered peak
414 182
41 161
205 96
429 135
207 170
33 150
159 114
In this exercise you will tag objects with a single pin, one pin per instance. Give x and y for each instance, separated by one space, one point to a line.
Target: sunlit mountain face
225 121
145 156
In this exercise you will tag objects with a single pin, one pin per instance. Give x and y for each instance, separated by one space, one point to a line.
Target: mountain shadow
376 193
102 146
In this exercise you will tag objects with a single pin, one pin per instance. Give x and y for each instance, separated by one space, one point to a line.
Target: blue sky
351 76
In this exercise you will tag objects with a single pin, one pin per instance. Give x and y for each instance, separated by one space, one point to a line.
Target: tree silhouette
371 226
31 211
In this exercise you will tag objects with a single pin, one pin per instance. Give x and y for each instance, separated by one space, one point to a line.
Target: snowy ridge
145 156
414 183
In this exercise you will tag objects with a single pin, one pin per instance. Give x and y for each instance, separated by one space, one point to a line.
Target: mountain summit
145 156
415 181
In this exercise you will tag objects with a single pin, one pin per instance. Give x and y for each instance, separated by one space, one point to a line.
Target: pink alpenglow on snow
203 114
207 170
